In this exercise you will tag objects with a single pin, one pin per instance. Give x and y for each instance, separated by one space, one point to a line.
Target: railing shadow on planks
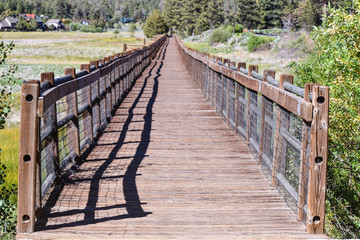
61 118
286 127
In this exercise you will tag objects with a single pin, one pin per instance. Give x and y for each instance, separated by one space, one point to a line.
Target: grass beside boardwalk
37 52
9 144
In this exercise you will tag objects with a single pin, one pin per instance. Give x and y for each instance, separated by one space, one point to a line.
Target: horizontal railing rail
61 118
286 127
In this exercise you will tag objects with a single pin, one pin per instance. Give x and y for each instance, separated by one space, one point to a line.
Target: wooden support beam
241 65
280 144
251 68
264 132
28 154
318 160
72 108
88 132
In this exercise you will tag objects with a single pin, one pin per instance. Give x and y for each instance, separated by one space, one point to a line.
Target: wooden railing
286 127
62 118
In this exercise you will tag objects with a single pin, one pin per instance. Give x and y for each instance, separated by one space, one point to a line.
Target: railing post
89 100
263 139
250 69
124 47
239 65
303 160
28 154
318 160
96 65
227 61
277 152
49 76
74 136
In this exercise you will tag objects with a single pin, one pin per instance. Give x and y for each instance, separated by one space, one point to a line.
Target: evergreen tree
155 24
248 13
190 13
215 12
271 12
173 14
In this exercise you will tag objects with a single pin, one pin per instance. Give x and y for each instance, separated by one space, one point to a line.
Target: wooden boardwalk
167 167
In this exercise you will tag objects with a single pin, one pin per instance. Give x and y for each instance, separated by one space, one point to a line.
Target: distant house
55 23
8 23
127 20
85 22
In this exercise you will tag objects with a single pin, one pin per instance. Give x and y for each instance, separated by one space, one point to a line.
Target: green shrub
74 26
336 64
258 42
238 28
116 31
220 35
7 193
132 28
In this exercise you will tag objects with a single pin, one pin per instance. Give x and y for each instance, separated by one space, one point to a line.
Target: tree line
81 9
195 16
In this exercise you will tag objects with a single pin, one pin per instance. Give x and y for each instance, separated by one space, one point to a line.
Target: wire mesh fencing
62 117
285 127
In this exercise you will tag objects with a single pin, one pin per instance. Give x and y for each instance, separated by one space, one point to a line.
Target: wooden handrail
61 118
298 132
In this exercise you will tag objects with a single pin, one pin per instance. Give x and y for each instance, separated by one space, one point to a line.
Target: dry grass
37 52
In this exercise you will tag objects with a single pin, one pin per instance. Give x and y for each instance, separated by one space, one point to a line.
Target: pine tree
215 12
173 14
248 13
271 12
155 24
190 13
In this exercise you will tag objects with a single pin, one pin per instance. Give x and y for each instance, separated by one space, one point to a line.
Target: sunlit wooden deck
167 167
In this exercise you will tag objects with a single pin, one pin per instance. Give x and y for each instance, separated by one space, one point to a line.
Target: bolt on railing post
28 155
318 160
74 136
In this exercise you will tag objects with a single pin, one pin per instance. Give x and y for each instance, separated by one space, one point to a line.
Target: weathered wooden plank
167 167
318 160
28 155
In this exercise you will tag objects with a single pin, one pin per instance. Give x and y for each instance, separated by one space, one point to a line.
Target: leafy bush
132 28
155 24
74 26
238 28
7 205
258 42
336 64
220 35
116 31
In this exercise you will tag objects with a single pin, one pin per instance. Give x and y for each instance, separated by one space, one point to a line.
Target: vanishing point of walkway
167 167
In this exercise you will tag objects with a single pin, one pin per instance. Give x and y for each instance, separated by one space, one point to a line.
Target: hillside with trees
82 9
191 17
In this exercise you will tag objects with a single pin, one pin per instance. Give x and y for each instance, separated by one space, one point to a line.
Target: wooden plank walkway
168 168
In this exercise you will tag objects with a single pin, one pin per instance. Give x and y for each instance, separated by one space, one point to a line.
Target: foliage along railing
286 127
61 118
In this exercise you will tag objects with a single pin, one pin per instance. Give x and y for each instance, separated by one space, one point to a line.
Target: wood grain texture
28 155
167 167
318 160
